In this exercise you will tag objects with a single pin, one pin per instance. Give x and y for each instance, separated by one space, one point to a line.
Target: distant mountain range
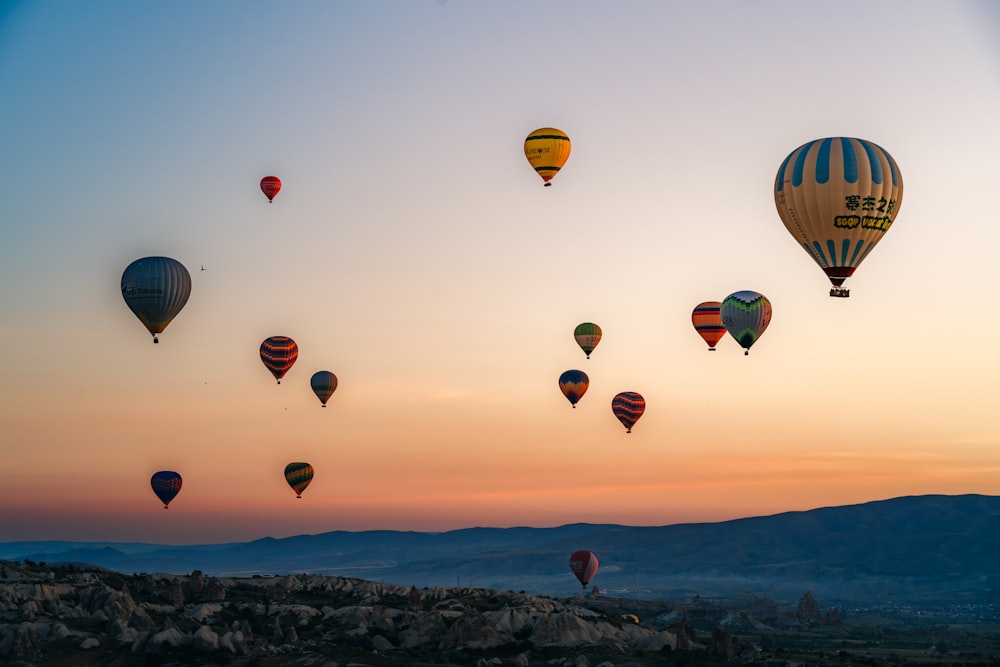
931 549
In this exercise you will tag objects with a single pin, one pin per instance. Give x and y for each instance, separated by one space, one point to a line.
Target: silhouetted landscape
904 581
929 550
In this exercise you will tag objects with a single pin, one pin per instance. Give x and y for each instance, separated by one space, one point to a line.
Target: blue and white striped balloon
838 197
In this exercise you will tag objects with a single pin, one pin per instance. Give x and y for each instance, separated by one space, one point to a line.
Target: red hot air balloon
270 186
628 406
279 353
583 564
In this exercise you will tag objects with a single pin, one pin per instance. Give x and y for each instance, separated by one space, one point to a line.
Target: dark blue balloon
574 385
166 485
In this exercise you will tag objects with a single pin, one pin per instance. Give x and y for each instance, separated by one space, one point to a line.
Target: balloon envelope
584 565
547 150
707 321
628 406
746 315
278 353
298 475
155 289
166 485
587 336
270 185
323 384
838 197
574 385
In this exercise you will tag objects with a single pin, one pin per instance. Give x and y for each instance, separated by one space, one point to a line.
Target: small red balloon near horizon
583 564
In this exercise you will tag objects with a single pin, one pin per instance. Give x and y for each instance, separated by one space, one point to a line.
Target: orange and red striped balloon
279 354
628 406
707 321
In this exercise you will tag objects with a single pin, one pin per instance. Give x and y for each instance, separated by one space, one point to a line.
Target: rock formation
194 619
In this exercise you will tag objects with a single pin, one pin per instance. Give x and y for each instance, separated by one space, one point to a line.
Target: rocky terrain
68 615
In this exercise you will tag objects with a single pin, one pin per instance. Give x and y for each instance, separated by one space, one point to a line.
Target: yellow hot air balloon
547 149
838 197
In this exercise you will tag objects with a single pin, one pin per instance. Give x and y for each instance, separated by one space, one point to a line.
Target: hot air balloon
278 353
707 322
547 150
270 186
574 385
298 475
838 197
587 336
584 565
628 406
746 315
166 485
156 289
323 384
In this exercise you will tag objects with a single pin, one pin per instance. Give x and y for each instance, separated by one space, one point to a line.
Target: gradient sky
413 252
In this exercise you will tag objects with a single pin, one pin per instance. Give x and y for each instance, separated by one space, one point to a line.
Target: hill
931 549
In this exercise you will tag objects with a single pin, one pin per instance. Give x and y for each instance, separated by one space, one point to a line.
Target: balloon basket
842 292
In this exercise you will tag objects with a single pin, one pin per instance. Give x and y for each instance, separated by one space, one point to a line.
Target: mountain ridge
917 548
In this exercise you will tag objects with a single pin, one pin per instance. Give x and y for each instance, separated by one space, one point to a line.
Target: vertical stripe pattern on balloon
838 197
155 289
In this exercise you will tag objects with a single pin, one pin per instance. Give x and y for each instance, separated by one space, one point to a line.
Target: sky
413 252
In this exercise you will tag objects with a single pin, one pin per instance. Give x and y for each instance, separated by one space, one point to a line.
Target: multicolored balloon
547 150
746 315
584 565
587 336
270 186
155 289
323 384
628 406
166 485
838 197
707 321
279 353
298 475
574 385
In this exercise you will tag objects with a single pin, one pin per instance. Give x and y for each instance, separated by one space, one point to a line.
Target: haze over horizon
413 252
